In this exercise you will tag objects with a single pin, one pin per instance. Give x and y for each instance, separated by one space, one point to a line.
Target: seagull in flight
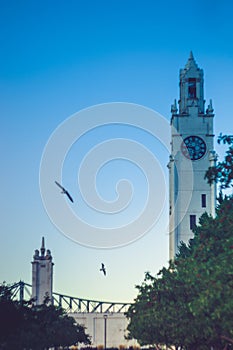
64 191
103 269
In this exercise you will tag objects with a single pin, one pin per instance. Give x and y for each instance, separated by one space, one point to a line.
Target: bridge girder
69 303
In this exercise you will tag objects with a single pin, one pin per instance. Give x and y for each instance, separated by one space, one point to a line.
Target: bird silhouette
64 191
103 269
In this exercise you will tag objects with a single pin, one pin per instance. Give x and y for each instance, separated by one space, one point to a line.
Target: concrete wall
114 327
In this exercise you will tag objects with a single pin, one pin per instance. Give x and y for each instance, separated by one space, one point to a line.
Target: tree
26 326
10 314
212 267
223 171
161 314
189 304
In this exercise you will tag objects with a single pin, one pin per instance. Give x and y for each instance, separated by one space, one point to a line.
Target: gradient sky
58 57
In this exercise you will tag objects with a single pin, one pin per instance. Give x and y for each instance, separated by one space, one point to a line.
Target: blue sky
59 57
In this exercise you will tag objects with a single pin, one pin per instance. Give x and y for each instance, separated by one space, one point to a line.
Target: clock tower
192 154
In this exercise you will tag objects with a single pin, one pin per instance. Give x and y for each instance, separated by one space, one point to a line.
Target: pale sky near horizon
60 57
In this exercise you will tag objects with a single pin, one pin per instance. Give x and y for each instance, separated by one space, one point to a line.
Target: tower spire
42 249
191 62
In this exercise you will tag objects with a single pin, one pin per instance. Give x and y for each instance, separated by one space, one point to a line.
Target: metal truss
22 291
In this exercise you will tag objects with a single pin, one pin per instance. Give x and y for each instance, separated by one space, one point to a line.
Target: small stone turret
42 275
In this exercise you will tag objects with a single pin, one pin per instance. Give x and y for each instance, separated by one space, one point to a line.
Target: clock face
193 147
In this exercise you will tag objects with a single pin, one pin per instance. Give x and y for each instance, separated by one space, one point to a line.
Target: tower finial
174 107
210 108
42 249
191 62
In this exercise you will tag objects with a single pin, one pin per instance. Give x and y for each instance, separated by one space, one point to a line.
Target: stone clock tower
191 154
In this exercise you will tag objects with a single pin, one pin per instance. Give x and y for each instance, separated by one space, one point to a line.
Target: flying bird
64 191
103 269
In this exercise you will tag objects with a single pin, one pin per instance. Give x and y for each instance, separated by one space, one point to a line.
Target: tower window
203 200
192 88
192 221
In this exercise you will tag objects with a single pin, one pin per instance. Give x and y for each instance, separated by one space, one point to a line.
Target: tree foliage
223 171
26 326
189 304
11 316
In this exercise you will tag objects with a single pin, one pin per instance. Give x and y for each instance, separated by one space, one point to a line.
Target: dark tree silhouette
26 326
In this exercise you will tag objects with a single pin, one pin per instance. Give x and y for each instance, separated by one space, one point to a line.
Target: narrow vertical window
192 88
203 200
192 221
